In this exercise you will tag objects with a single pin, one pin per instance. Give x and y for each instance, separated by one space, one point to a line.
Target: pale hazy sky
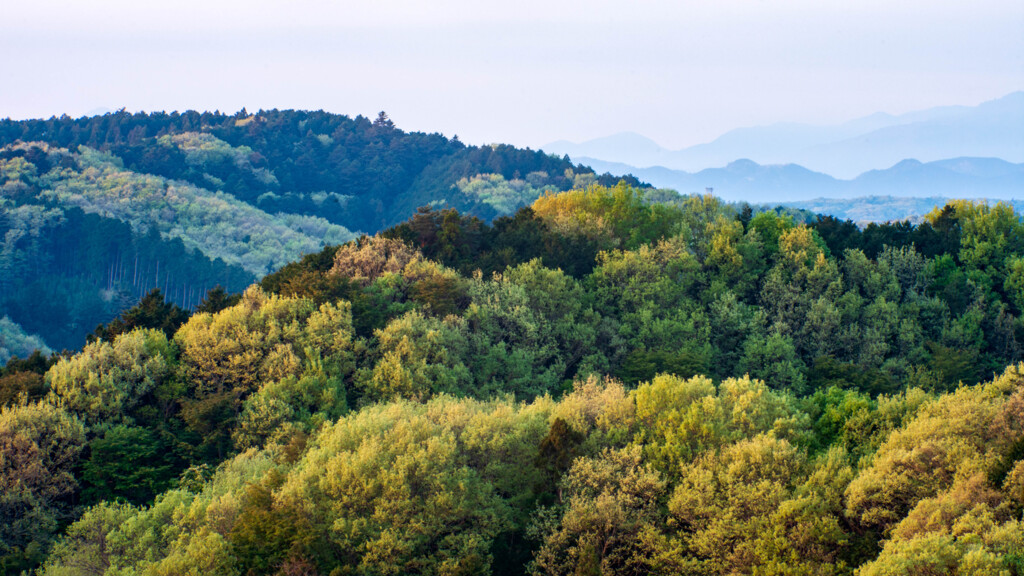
524 72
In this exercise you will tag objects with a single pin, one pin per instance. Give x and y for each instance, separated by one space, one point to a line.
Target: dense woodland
609 381
67 267
95 212
361 174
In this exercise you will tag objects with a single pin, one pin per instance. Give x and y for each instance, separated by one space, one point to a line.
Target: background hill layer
354 172
95 212
875 142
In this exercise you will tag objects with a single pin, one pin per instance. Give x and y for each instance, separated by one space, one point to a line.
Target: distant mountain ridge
746 180
991 129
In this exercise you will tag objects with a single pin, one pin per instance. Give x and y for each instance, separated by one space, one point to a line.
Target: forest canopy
359 173
610 380
96 212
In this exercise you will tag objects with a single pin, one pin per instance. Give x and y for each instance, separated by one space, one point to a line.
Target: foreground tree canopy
606 382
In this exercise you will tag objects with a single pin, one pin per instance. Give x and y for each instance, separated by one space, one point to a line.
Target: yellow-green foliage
40 446
610 217
598 406
584 212
952 440
707 465
106 381
395 489
945 488
469 424
262 339
612 522
420 357
656 276
989 233
181 533
264 369
372 256
422 488
749 498
202 149
680 419
677 476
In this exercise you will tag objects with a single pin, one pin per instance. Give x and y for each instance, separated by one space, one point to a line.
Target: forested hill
361 174
82 238
597 384
97 211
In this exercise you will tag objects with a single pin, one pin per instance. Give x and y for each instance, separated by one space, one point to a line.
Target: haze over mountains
950 150
746 180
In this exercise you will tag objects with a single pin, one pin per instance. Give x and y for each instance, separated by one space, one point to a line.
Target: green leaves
109 382
40 446
151 312
128 463
374 411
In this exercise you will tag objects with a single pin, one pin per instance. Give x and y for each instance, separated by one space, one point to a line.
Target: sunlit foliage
705 391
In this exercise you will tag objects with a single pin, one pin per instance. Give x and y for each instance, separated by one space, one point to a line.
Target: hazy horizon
529 74
100 110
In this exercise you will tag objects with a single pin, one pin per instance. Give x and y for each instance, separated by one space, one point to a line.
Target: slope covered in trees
360 174
15 342
75 252
212 223
213 199
599 384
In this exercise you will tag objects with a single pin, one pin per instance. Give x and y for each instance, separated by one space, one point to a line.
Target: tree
759 495
942 448
611 523
367 259
151 312
24 377
128 463
229 356
39 450
420 357
261 339
383 121
110 382
772 358
217 299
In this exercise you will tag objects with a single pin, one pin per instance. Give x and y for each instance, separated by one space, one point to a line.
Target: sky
526 72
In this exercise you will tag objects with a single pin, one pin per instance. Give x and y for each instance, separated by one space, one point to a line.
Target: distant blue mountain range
993 129
746 180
